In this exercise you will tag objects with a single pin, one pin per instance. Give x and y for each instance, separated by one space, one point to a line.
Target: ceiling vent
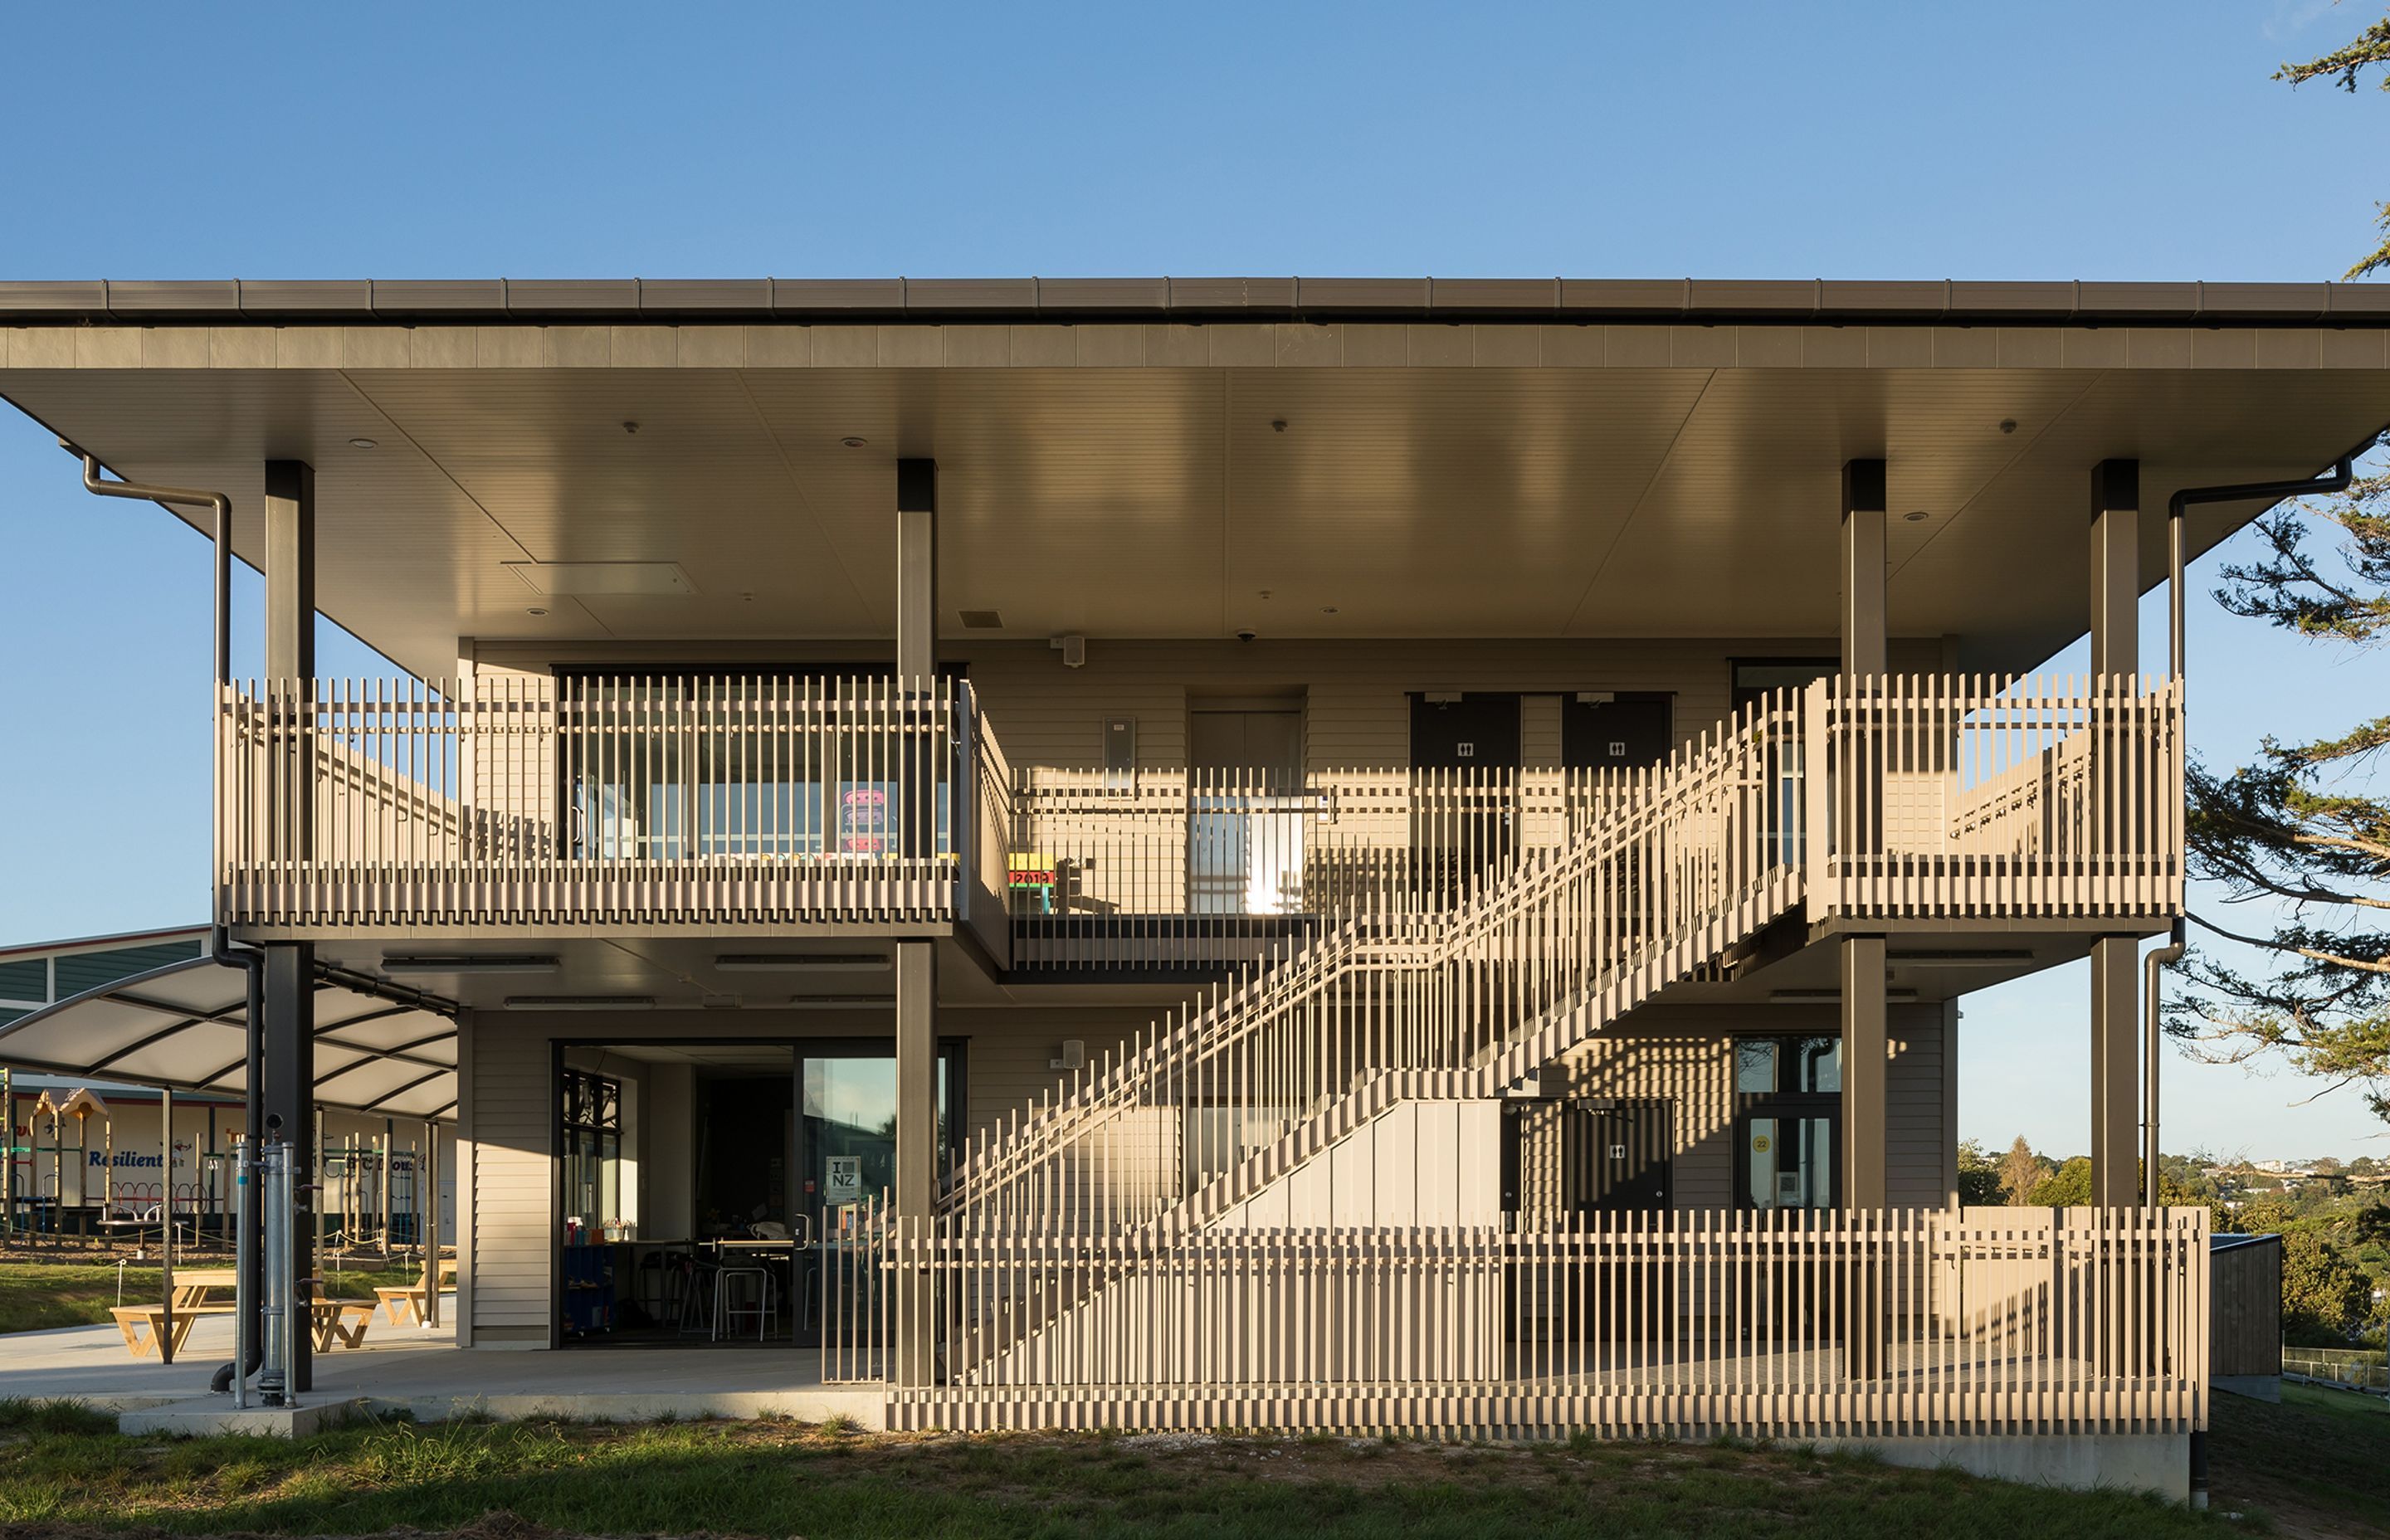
983 620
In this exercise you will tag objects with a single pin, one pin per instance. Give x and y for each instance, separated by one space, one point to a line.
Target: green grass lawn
2322 1453
63 1470
35 1296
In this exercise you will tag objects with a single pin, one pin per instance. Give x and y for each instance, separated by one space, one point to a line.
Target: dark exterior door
1625 732
1586 1156
1475 732
1464 787
1572 1165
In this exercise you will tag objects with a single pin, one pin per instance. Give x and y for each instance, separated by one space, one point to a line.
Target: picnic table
408 1299
335 1322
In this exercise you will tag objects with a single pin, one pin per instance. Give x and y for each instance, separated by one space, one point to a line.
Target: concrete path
423 1373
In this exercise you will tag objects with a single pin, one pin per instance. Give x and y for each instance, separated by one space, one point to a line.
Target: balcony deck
572 806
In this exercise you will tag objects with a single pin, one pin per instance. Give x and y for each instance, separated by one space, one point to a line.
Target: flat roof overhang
1537 458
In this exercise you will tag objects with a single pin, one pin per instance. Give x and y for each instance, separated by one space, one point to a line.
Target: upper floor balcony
587 803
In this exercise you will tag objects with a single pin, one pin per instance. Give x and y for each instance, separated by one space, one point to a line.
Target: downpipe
249 1281
2341 475
2153 964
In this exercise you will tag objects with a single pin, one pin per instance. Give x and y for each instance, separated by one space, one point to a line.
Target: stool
695 1298
731 1306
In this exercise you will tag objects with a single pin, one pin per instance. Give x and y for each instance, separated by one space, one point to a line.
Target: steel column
2115 650
1864 1045
289 1032
1862 566
916 1144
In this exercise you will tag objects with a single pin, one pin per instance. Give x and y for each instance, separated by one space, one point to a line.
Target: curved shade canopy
185 1027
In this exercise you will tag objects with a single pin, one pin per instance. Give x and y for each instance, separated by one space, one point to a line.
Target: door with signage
1587 1155
1624 732
1579 1164
1464 778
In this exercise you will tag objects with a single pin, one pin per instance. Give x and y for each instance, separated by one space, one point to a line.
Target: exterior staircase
1662 872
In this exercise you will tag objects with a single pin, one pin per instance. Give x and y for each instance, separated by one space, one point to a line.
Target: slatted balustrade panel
513 800
1980 797
1166 868
1781 1325
1395 997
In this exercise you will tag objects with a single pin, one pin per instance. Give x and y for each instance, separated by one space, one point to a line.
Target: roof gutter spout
250 1286
2336 479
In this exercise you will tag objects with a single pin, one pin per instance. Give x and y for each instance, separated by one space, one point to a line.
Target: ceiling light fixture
1327 610
485 963
800 962
535 609
853 441
1915 515
364 444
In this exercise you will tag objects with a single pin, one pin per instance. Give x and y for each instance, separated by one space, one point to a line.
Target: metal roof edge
1709 302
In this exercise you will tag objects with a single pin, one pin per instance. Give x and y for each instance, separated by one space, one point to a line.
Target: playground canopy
184 1027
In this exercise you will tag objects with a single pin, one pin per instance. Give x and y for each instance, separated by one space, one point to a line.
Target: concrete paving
423 1373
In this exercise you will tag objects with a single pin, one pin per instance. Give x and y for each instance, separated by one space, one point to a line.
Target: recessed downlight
535 609
364 444
1915 515
853 441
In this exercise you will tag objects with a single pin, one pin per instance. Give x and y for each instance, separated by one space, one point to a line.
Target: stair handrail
1300 967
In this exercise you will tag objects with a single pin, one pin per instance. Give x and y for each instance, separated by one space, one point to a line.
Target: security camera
1244 635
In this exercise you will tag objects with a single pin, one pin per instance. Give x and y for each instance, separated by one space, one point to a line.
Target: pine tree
2343 66
2304 829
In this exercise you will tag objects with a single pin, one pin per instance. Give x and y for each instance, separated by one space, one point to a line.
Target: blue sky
2025 141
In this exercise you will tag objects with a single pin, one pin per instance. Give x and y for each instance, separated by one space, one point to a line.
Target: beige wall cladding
106 348
443 348
174 348
645 348
511 348
1356 696
1684 1055
307 348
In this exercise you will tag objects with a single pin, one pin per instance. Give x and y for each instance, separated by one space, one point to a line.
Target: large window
593 1151
762 766
1788 1120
